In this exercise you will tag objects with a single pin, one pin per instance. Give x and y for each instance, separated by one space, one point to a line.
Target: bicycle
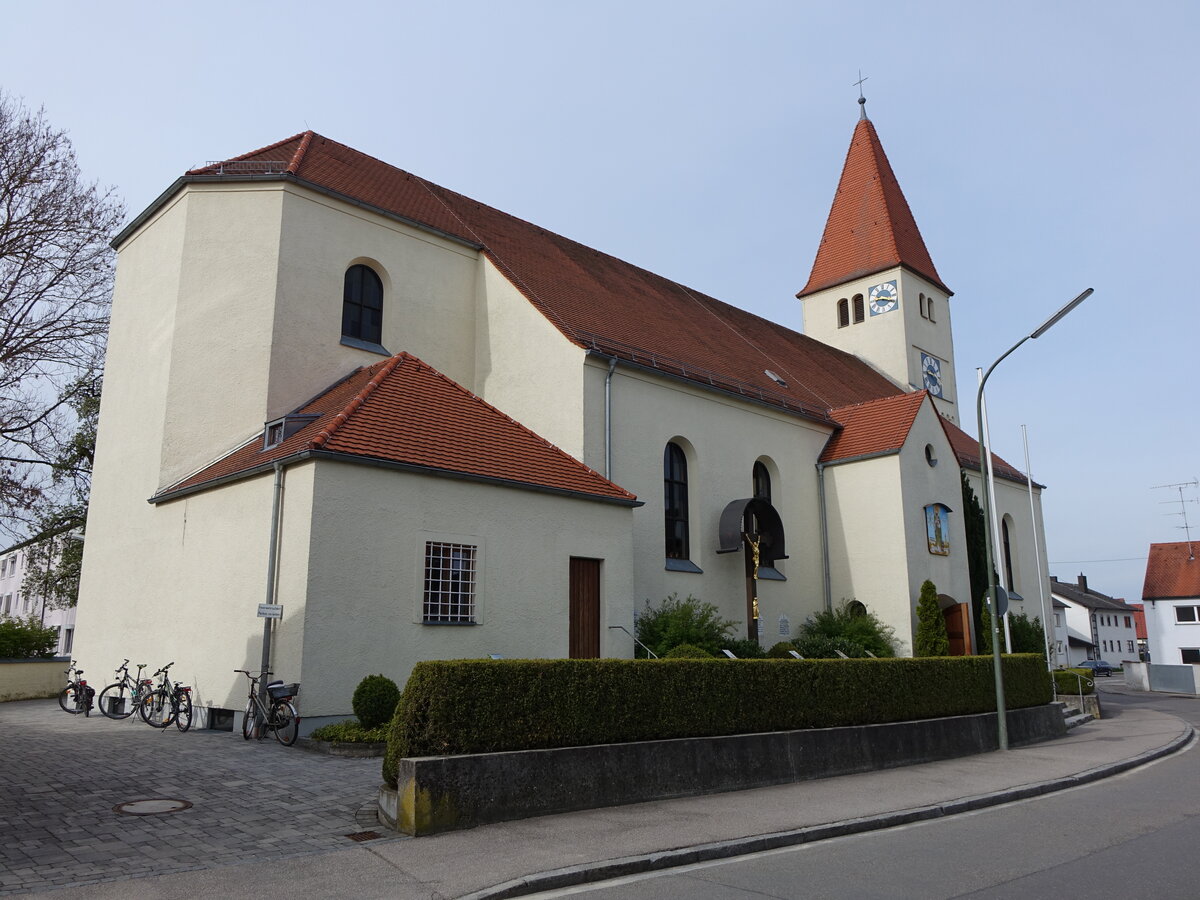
77 696
168 703
112 698
279 716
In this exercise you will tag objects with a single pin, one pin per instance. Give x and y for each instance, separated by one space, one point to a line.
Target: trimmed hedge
481 706
1065 681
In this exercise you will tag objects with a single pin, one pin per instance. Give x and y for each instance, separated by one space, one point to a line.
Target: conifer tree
931 639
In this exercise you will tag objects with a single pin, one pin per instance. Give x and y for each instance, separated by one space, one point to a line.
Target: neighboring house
1171 599
1139 625
16 603
1097 626
429 429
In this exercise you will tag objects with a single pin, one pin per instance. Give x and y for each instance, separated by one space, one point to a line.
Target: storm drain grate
364 835
153 807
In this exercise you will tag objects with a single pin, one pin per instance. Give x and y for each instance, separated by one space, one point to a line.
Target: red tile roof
404 411
966 448
870 227
874 427
595 300
1172 570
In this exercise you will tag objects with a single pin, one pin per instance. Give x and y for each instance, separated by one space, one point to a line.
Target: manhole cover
364 835
151 807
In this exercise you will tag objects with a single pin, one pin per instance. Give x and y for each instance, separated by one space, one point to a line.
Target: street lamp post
984 450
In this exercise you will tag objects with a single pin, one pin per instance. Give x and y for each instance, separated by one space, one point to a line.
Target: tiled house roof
873 428
1172 570
1083 595
966 449
405 412
870 227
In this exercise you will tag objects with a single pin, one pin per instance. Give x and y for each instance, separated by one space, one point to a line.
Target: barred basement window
449 584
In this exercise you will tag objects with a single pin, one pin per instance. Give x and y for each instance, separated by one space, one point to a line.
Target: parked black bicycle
119 699
77 697
278 714
167 703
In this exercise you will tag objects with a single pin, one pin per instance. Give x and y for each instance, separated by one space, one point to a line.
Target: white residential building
15 603
1097 626
1171 599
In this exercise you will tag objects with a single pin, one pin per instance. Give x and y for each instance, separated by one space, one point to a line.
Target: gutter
388 464
612 366
272 567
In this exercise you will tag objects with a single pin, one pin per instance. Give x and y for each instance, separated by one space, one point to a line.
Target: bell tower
874 290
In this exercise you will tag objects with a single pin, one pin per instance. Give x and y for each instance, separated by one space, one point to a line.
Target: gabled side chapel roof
404 412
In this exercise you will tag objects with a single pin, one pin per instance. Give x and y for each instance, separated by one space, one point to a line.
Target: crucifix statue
754 542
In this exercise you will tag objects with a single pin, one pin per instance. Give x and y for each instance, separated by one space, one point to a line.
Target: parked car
1098 666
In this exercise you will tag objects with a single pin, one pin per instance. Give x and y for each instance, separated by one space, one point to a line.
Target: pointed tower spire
870 227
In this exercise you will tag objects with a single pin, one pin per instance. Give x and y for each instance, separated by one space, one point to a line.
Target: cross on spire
862 101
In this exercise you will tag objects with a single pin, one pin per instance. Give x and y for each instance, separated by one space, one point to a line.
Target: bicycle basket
280 691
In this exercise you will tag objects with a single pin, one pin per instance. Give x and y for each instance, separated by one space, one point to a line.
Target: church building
417 427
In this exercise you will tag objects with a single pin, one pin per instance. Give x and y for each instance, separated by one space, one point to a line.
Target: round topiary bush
687 651
375 700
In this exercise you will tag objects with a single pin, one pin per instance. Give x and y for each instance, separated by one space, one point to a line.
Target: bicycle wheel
285 722
71 699
116 697
248 721
183 713
155 709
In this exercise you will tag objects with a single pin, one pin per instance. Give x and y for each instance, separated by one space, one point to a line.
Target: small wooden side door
585 608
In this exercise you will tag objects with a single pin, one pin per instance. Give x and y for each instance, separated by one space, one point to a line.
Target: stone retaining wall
443 793
32 679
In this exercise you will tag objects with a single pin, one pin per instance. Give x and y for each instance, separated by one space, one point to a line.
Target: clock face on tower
931 372
884 298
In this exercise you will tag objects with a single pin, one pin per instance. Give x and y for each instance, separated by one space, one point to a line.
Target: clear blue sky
1044 147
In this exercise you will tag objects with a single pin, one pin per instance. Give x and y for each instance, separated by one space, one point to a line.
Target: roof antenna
1182 501
862 101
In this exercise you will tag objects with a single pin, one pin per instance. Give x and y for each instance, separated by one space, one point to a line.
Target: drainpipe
824 536
612 365
272 562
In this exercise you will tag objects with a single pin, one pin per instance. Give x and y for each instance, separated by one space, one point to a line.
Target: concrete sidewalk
516 858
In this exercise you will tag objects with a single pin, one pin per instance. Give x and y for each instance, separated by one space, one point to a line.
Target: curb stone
586 873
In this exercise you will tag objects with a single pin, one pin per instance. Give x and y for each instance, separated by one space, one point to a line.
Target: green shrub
1065 681
677 621
931 638
375 700
780 650
687 651
744 648
350 732
26 639
850 623
818 646
481 706
1027 634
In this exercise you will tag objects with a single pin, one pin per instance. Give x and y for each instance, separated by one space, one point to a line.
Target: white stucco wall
525 366
366 569
188 584
1165 636
723 438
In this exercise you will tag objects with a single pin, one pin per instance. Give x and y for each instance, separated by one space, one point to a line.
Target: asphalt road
1133 835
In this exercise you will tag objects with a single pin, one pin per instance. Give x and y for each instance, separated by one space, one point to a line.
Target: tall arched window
362 305
675 502
859 308
762 482
1008 566
843 313
929 309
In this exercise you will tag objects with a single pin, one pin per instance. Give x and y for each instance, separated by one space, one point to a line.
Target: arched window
362 305
843 313
1008 566
859 309
762 482
929 309
922 302
675 502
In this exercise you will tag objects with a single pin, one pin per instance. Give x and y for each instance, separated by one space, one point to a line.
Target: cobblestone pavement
61 776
